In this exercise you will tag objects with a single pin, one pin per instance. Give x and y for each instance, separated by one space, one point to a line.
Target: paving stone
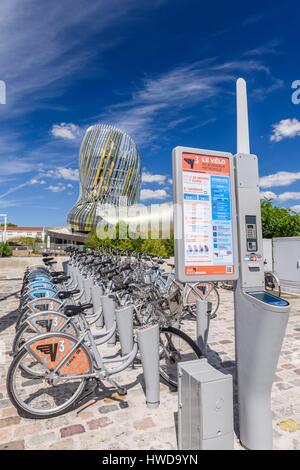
40 441
143 424
5 403
108 408
123 404
99 423
10 421
107 422
95 440
7 412
6 434
12 445
71 430
28 429
64 444
287 366
57 422
283 386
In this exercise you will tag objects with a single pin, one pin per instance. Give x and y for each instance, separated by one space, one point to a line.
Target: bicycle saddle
50 263
57 273
48 258
65 294
60 279
72 310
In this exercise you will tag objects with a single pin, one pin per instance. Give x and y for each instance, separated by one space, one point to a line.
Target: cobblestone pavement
115 422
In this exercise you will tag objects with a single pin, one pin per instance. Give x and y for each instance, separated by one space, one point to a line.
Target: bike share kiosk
216 190
260 318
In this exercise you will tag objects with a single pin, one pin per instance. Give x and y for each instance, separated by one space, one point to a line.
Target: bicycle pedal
122 391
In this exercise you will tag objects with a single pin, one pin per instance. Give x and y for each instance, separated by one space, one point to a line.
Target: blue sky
164 70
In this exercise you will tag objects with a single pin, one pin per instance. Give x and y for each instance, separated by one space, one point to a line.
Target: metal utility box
205 407
286 256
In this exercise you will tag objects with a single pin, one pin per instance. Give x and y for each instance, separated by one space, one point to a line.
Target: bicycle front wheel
175 346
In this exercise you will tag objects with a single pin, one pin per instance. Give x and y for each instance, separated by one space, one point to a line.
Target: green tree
5 250
278 221
154 247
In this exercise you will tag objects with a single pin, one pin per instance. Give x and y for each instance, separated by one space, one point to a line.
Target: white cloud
296 208
57 188
68 173
67 131
152 178
267 195
44 43
282 178
285 129
5 203
271 47
13 167
147 194
160 102
62 173
13 189
37 181
289 196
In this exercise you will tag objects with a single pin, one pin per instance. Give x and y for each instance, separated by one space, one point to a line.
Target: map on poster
208 237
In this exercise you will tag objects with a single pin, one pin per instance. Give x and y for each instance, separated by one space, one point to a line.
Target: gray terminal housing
205 407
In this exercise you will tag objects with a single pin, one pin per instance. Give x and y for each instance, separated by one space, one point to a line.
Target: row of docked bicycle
67 319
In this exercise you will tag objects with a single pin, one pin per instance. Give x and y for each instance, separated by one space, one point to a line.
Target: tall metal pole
4 236
243 141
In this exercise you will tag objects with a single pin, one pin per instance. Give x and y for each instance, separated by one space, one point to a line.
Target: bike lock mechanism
108 305
148 341
203 309
124 317
87 284
97 292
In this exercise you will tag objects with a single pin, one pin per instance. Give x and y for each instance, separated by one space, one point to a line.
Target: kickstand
85 395
121 390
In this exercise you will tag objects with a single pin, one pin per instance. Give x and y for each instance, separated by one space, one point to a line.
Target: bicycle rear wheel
42 393
204 291
175 346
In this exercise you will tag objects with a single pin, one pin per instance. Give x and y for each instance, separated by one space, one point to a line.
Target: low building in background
32 232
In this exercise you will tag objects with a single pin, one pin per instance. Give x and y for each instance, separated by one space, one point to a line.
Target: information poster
207 212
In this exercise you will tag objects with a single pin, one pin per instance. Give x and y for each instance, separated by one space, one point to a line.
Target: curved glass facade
109 168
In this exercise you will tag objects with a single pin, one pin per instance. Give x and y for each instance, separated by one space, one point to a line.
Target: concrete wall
286 256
